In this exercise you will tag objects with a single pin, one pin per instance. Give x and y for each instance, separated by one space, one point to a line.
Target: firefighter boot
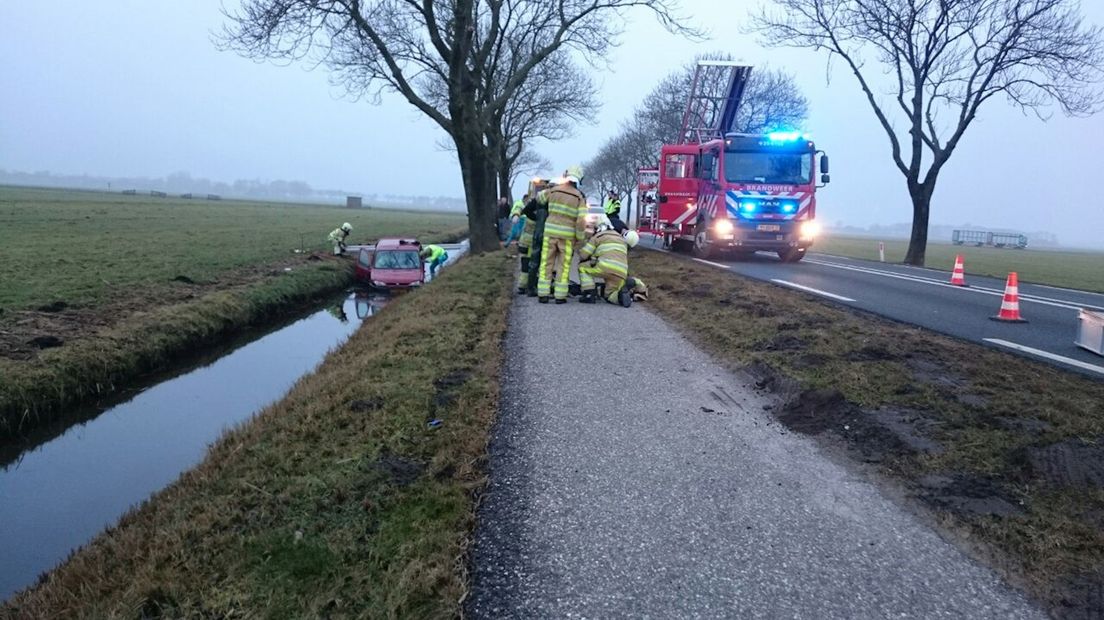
588 297
574 289
624 297
543 300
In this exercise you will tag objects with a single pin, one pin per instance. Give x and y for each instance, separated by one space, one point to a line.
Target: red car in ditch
391 264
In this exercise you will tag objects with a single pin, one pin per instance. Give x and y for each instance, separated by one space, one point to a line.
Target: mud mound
1072 462
782 342
56 306
398 470
183 279
815 411
872 436
871 353
46 342
969 495
446 386
366 404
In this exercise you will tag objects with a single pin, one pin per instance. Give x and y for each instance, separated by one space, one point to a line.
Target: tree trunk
921 207
477 169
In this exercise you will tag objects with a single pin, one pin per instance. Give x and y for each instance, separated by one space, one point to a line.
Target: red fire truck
728 192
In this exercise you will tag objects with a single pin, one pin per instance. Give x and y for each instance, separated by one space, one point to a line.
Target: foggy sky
136 88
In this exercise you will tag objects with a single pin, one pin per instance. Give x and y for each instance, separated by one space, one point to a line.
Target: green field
1073 269
81 247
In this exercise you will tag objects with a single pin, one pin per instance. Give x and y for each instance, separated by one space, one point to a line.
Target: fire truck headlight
809 230
723 228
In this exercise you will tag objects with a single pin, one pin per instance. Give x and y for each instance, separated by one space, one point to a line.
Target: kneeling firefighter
608 256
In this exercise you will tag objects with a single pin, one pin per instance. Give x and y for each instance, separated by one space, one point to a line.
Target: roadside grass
1006 453
1073 269
339 500
84 247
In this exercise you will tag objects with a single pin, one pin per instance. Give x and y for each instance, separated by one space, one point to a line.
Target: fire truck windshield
766 167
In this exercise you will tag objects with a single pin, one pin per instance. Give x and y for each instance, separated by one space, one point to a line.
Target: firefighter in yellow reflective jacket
564 227
606 256
436 256
337 237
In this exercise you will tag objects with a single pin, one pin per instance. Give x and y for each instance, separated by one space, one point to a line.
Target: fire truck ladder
715 96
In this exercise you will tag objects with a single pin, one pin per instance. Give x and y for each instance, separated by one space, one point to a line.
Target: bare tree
542 109
945 59
420 48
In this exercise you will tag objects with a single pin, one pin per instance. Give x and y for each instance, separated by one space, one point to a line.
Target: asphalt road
632 477
924 297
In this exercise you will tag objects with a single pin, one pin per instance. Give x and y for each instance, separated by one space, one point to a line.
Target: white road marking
1050 356
709 262
810 289
1046 301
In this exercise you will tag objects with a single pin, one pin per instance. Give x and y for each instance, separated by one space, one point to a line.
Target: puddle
56 496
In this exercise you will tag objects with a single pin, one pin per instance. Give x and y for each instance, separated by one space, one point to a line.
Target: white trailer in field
983 237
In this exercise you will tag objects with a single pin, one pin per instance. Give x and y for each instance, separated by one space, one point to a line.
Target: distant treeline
184 183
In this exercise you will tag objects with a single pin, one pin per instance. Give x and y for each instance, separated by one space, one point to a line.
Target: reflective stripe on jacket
566 212
610 251
515 211
338 235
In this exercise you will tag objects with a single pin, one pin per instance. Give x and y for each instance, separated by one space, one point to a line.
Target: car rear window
397 259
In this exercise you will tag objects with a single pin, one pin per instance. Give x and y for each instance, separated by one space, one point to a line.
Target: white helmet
603 224
347 227
574 174
631 238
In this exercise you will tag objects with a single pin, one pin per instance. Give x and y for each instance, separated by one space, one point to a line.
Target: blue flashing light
789 207
784 136
748 206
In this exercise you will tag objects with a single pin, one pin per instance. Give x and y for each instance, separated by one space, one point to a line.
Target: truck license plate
769 227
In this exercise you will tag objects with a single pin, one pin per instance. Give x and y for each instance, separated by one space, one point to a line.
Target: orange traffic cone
958 278
1010 305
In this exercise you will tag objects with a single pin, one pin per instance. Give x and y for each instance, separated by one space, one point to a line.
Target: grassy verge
36 391
1079 270
1003 451
338 501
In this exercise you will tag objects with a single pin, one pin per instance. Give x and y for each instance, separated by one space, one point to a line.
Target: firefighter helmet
631 238
574 174
347 227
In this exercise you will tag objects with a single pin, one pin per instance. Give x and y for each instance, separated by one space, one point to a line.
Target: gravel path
671 493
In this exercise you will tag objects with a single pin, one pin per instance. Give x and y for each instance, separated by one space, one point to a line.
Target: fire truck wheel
792 255
702 248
